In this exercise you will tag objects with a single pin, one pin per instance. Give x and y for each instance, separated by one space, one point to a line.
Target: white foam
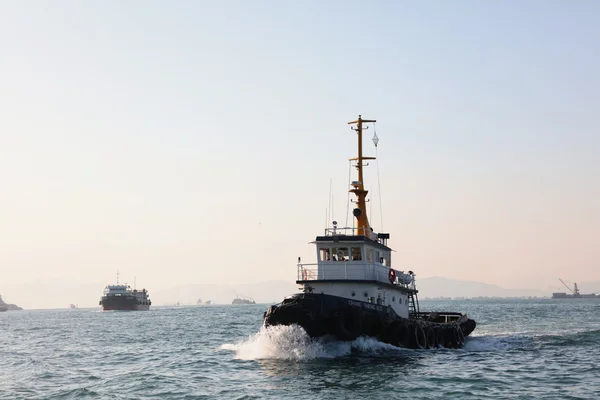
292 343
496 343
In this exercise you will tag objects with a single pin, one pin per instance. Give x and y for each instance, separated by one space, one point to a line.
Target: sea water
521 349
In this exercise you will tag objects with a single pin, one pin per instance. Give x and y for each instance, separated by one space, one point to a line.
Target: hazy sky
194 141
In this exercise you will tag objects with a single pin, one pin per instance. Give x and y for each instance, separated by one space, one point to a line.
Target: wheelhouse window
340 254
356 253
324 254
386 259
369 255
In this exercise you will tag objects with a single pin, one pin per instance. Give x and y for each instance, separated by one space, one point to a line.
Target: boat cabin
357 267
343 248
117 290
353 257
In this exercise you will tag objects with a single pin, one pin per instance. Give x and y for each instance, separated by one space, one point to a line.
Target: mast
358 187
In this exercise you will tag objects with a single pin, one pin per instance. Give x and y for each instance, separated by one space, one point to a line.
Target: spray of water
292 343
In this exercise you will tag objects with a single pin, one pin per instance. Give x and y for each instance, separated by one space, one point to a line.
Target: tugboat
124 298
353 290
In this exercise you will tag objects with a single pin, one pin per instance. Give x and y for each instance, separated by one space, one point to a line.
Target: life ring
305 275
392 275
399 334
430 334
418 340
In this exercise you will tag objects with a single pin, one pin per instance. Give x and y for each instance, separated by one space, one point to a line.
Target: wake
292 343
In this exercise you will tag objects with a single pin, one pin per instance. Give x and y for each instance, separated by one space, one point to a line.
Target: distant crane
575 289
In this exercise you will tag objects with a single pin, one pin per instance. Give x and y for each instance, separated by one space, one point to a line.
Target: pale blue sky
194 142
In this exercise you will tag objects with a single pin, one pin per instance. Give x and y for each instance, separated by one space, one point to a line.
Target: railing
352 232
444 317
354 271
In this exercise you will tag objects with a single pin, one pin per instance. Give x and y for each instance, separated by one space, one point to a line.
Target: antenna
134 282
332 215
348 197
376 141
117 277
329 205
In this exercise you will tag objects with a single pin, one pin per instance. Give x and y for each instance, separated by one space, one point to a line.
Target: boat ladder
413 306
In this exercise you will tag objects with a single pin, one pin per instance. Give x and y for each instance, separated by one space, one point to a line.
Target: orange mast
360 212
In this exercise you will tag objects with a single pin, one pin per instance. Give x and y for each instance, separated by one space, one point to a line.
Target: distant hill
590 287
444 287
12 307
275 291
261 292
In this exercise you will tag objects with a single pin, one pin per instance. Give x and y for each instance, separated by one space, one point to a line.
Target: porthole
353 294
366 294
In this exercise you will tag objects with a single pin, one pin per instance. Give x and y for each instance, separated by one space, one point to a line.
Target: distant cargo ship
574 293
239 300
124 298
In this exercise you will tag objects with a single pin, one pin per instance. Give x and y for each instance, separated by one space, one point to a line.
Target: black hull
123 303
345 319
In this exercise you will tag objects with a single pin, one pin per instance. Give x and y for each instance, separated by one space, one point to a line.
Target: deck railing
352 232
444 317
353 271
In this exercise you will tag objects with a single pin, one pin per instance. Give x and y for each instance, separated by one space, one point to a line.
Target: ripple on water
519 350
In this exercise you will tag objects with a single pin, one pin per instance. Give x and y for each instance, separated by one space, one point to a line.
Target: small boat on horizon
353 290
241 300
